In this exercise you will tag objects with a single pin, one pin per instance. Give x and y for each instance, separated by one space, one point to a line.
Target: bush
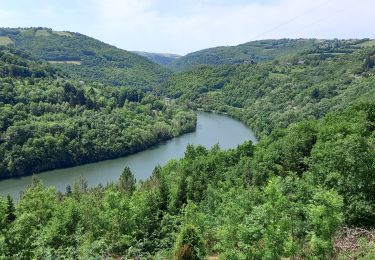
189 244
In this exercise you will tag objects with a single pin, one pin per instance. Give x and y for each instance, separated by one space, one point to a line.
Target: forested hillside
85 58
48 120
264 50
274 94
284 198
160 58
305 191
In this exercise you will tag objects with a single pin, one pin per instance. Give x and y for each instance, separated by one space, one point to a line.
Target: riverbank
210 130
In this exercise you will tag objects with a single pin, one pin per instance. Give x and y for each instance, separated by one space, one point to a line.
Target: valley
211 130
107 153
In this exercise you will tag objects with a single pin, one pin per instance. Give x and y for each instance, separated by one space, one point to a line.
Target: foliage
265 50
189 245
86 58
48 122
127 181
271 95
213 202
286 197
163 59
325 216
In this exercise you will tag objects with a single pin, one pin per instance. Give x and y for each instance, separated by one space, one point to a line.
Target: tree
315 93
68 191
163 194
343 158
162 185
127 181
156 173
325 215
80 186
369 63
181 198
10 213
3 214
189 244
269 229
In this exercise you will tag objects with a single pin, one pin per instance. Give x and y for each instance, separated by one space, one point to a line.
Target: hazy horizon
164 26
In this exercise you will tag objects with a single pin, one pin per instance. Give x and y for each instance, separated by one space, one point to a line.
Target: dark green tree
127 181
68 191
10 212
181 198
163 194
162 186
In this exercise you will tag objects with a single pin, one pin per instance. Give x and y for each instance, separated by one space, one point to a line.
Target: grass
4 40
61 33
27 32
75 62
370 43
42 33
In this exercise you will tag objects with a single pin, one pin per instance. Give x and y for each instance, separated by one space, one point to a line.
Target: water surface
211 129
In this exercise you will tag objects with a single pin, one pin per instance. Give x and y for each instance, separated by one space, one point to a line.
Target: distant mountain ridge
159 58
274 94
84 57
263 50
89 59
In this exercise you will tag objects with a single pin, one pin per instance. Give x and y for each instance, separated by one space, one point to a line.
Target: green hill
285 198
305 191
84 57
270 95
48 120
263 50
163 59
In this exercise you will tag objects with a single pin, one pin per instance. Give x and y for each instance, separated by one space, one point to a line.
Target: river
211 129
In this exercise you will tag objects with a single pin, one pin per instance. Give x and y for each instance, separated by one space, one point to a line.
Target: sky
183 26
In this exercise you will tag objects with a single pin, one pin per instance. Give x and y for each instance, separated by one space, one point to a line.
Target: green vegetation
4 41
370 43
189 244
284 198
297 194
264 50
275 94
98 61
160 58
49 121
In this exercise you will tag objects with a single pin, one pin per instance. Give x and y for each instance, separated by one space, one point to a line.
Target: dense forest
284 198
274 94
305 191
49 121
85 58
264 50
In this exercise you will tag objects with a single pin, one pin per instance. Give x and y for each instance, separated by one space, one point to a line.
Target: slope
263 50
85 58
274 94
285 198
163 59
48 120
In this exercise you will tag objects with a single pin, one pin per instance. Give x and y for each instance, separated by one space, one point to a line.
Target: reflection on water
211 129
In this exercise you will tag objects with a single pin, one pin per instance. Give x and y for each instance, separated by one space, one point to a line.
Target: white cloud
121 9
4 16
136 24
189 25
